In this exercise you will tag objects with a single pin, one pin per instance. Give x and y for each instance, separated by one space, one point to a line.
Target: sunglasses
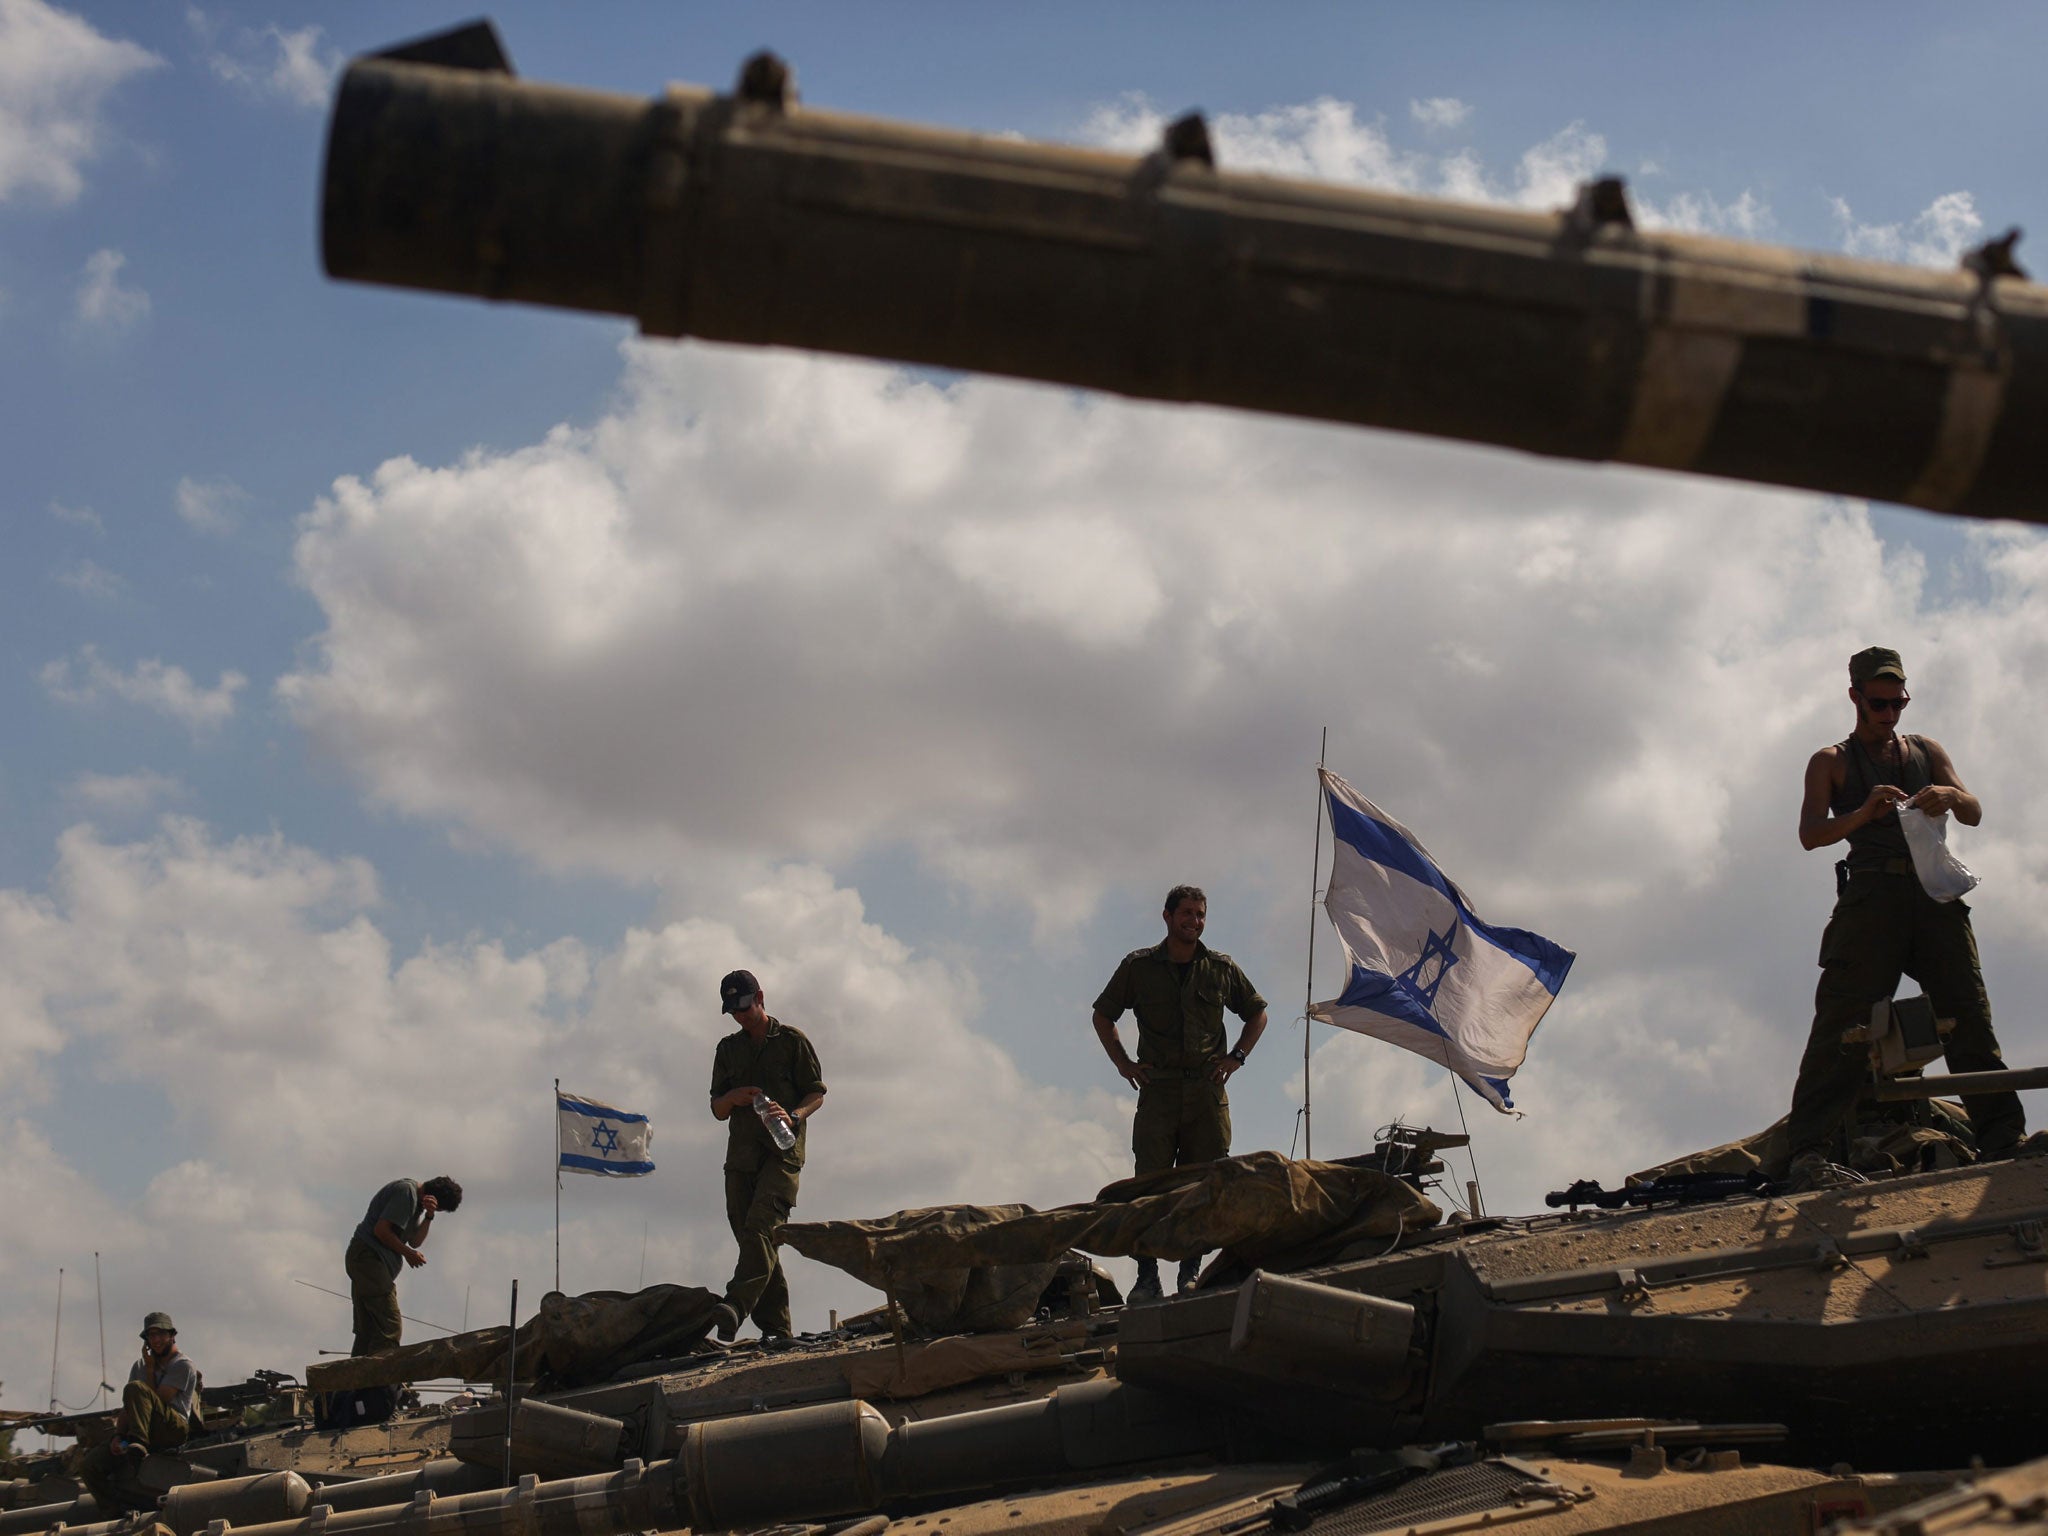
1886 706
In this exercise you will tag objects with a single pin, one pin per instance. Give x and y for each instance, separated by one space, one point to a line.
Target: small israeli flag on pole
1426 973
596 1138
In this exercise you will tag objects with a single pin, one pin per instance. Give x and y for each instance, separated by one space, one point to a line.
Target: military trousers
374 1292
757 1202
1179 1120
149 1421
1885 925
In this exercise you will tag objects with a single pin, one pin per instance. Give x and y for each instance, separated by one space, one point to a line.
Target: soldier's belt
1179 1074
1888 867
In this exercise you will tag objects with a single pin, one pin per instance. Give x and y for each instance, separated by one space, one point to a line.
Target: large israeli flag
595 1138
1426 973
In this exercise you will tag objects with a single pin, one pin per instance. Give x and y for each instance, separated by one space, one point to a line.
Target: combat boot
725 1318
1190 1272
1811 1171
1147 1288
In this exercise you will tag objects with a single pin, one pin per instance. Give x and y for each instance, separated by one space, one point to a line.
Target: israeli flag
595 1138
1426 973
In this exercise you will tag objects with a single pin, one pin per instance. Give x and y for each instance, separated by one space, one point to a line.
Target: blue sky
527 718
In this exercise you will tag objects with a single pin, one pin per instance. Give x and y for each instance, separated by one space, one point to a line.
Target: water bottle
780 1131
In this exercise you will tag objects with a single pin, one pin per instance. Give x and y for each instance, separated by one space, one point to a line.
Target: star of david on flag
1426 974
596 1138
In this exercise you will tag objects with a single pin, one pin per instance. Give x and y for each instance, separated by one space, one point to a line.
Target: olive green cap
1877 661
159 1320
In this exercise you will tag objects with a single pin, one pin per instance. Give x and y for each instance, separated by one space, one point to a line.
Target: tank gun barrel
745 218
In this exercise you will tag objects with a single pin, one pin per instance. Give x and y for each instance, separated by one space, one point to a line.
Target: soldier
1179 989
764 1068
389 1235
157 1409
1884 923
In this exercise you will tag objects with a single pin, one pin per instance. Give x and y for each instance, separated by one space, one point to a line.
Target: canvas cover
977 1267
572 1340
1883 1140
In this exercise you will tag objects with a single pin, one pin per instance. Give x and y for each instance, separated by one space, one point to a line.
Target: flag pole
557 1112
1308 1141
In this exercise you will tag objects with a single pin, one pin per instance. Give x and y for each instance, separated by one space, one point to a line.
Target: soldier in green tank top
762 1064
1178 989
1884 923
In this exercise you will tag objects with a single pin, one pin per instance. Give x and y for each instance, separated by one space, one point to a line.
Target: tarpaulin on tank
1260 1209
573 1340
1882 1139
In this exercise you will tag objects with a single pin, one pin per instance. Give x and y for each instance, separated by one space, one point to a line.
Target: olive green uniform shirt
783 1066
1180 1024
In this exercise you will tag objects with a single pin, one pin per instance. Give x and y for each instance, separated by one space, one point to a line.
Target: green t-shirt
398 1203
1180 1019
785 1067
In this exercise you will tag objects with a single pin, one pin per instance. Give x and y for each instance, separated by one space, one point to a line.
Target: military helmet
159 1320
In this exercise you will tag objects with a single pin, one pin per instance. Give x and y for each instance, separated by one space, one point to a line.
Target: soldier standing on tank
1178 989
769 1070
158 1406
1885 923
390 1234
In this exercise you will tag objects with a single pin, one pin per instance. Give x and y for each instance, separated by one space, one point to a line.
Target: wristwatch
1239 1055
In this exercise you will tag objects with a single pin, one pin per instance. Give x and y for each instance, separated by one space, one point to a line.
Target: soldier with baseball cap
159 1407
769 1072
1885 923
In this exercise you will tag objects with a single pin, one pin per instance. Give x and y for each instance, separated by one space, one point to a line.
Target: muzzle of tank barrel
529 192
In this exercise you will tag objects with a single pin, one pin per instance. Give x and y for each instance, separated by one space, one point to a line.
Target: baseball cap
737 990
1876 661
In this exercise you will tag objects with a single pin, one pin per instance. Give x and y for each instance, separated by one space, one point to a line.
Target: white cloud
83 679
296 65
91 580
1549 174
103 301
1936 236
1441 112
55 73
288 1061
988 621
210 506
122 794
79 517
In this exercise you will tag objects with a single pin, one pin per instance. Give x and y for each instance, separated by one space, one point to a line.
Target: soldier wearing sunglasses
1885 924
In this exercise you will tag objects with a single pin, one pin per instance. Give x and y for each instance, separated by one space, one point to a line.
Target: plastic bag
1942 875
